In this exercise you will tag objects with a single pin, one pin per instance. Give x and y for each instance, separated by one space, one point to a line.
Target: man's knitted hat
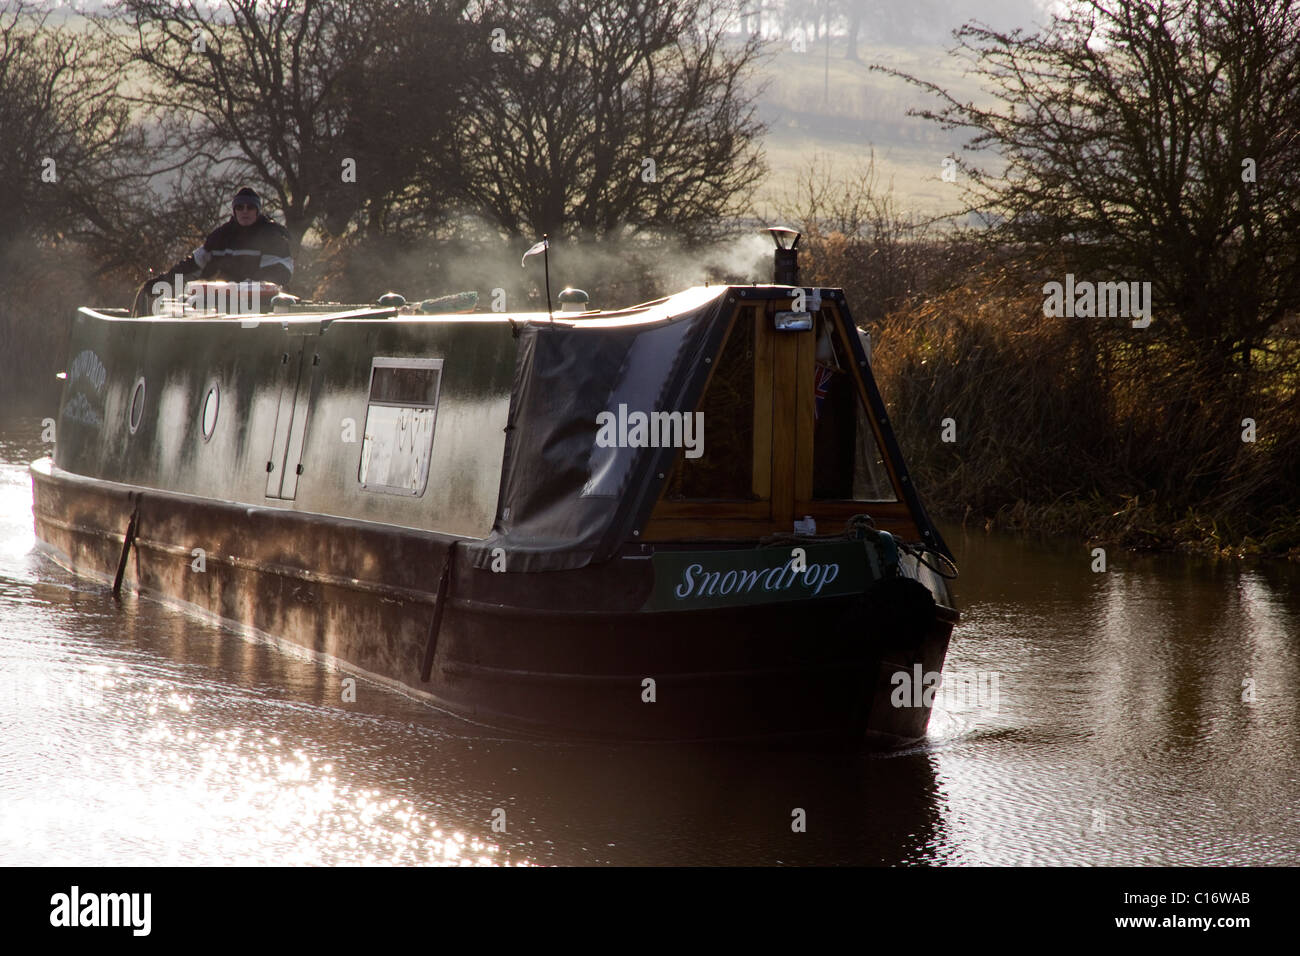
247 195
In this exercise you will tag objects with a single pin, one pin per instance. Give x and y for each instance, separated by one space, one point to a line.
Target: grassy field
843 110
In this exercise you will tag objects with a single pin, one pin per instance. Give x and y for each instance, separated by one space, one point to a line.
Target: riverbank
1120 436
1136 526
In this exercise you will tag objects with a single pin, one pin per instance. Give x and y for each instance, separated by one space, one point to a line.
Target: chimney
785 262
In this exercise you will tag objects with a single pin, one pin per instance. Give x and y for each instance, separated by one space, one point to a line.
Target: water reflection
1126 732
1147 714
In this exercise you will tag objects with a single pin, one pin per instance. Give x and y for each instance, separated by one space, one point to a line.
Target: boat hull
580 654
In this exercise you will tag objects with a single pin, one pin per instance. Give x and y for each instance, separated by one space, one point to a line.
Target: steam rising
615 273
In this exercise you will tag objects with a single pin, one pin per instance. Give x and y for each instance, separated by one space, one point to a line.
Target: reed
1088 426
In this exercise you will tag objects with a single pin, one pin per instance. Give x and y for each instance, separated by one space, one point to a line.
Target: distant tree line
865 24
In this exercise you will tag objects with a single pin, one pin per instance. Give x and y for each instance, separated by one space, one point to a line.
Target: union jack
822 386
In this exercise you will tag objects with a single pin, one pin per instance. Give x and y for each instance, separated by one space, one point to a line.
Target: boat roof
653 312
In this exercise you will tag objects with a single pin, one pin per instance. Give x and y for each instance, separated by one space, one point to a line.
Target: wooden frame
784 415
896 511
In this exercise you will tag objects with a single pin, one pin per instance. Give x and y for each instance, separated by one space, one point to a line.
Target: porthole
137 404
211 406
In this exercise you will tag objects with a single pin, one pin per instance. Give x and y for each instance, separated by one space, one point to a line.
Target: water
1086 719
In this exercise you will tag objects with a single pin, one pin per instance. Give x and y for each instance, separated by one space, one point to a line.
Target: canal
1145 714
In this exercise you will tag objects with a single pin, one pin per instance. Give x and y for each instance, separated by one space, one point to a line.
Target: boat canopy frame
565 501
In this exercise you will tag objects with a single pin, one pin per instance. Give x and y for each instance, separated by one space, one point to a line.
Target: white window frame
391 362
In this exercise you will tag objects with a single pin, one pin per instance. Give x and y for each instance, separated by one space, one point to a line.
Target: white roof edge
656 310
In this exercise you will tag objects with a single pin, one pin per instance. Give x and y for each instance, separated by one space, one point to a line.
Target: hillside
864 110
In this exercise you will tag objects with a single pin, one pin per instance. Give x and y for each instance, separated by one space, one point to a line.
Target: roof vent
574 300
283 302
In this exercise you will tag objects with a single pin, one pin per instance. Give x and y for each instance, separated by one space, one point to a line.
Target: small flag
537 247
822 387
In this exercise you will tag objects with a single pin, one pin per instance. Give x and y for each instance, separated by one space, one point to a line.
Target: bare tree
1154 140
65 129
405 113
327 105
605 117
65 142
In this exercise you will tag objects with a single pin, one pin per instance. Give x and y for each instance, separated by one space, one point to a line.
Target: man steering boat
248 247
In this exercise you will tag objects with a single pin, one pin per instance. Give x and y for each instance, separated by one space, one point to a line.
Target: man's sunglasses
241 206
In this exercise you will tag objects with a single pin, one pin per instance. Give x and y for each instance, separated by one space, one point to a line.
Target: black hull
564 654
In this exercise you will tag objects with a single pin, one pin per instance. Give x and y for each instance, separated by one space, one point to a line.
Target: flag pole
546 264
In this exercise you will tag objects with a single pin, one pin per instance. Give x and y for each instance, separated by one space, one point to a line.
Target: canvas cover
566 501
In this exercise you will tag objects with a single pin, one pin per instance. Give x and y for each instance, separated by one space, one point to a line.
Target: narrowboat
684 521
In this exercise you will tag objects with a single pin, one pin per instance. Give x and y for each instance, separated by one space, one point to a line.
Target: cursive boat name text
697 582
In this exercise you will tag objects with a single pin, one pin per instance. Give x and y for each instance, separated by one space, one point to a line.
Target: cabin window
400 417
211 405
724 471
848 464
137 405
